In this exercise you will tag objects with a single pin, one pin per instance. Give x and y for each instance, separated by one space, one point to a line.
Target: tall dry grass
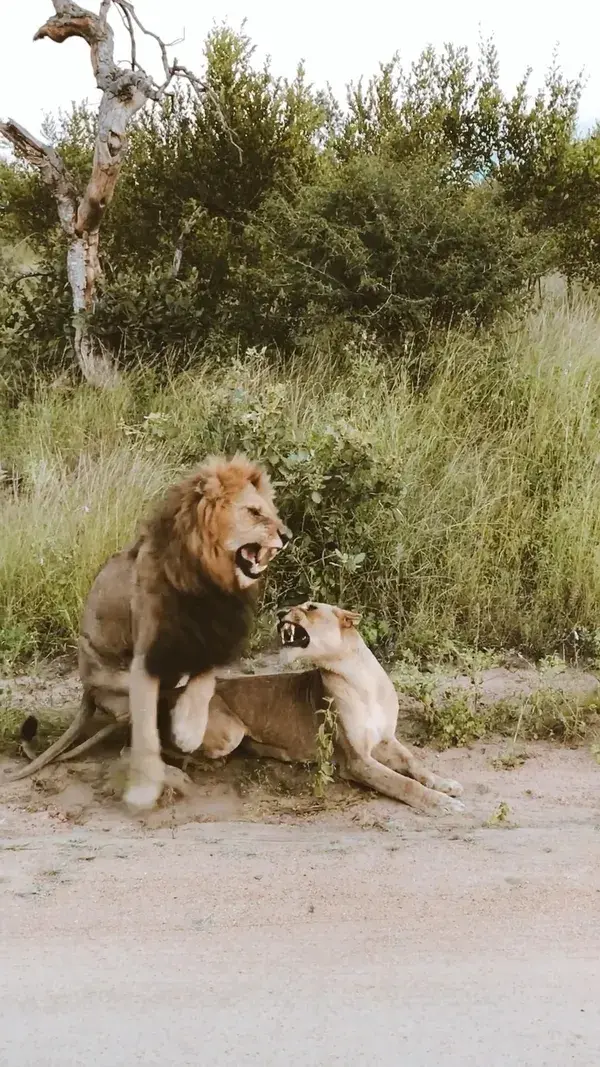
484 530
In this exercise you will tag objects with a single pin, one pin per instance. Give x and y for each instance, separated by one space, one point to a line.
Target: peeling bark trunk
125 90
83 267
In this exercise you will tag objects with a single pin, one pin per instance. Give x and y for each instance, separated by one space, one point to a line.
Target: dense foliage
428 199
339 291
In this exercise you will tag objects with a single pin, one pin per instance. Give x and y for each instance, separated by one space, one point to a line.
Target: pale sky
338 41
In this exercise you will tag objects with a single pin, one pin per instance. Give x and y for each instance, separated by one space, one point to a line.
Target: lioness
283 725
367 707
177 603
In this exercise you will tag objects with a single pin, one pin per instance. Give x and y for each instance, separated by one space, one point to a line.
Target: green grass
462 516
546 715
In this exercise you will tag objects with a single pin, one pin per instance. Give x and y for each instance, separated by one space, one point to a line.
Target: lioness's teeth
287 633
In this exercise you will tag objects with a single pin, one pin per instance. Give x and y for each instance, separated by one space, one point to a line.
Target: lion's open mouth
252 560
292 635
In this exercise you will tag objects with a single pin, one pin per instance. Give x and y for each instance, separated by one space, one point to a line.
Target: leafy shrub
431 198
464 515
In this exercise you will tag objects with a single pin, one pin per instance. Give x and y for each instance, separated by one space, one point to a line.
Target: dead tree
125 90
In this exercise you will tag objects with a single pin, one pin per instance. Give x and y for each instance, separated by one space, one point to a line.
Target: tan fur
185 561
367 709
276 716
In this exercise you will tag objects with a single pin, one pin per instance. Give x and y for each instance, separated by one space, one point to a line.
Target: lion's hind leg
224 730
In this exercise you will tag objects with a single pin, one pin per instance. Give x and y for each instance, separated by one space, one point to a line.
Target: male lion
177 603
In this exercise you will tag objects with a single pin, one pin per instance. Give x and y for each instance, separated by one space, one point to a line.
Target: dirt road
361 935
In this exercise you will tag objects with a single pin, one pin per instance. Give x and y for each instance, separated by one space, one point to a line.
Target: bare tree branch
24 275
83 266
124 92
197 213
128 23
202 89
129 10
51 168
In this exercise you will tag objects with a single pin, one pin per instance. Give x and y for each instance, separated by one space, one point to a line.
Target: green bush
396 248
430 198
463 515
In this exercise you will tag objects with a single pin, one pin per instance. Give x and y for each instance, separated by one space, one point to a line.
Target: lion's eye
311 607
255 512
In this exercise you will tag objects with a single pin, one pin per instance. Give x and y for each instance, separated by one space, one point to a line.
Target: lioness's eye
311 607
255 512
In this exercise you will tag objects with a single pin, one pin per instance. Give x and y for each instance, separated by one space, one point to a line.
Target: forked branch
125 90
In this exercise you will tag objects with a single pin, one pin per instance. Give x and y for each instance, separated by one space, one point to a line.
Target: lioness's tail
86 711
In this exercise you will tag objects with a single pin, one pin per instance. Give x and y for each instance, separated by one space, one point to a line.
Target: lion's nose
281 614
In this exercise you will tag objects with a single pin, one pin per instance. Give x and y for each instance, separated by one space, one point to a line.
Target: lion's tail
86 711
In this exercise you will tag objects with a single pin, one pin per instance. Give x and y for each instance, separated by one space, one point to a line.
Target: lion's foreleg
190 714
146 768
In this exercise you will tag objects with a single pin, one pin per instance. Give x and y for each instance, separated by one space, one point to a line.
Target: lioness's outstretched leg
391 784
146 768
190 714
363 767
400 759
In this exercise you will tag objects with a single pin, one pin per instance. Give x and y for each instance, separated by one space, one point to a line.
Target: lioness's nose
285 534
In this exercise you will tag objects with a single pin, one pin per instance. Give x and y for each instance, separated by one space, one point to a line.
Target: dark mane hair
199 631
202 625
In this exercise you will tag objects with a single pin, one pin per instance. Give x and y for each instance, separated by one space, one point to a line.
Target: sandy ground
251 924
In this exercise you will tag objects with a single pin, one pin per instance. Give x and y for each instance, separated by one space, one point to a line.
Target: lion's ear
208 480
347 619
262 483
210 487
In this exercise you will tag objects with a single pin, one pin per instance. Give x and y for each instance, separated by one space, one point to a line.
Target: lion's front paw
143 796
146 778
188 732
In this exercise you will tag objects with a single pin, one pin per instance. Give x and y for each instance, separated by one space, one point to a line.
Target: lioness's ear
347 618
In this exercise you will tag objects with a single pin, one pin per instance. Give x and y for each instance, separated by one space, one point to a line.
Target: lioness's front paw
449 786
449 805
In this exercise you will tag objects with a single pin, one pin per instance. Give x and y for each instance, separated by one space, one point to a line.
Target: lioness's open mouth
292 635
